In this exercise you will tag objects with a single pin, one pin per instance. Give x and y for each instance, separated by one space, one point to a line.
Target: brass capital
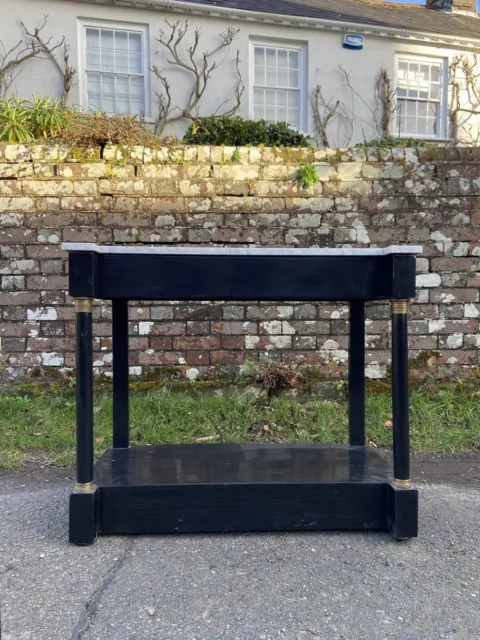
399 307
402 484
88 487
83 305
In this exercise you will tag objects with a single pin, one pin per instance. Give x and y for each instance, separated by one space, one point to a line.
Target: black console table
247 487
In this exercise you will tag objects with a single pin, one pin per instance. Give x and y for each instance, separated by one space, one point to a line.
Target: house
344 71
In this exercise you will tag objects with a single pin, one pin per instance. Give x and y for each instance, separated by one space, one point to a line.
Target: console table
246 487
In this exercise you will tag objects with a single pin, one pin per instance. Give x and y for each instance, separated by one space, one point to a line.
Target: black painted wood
84 398
83 269
228 487
402 512
83 519
230 277
400 275
247 507
401 436
240 487
120 372
356 374
187 464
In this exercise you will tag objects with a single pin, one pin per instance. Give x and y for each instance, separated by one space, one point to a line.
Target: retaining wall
223 195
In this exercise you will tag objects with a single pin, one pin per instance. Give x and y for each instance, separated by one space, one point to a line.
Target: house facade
344 72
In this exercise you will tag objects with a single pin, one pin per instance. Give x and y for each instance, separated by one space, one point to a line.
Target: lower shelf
250 487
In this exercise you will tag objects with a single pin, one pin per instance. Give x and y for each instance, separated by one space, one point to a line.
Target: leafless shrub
99 129
465 77
59 54
274 378
201 67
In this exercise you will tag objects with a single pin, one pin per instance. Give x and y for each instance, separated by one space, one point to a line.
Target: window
420 97
115 70
278 85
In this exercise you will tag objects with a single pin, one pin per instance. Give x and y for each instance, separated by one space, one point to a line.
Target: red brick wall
198 195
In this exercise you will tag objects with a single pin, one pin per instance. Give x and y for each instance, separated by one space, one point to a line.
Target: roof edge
179 6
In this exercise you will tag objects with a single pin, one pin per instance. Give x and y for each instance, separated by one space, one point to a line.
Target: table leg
402 499
120 373
401 436
356 374
83 498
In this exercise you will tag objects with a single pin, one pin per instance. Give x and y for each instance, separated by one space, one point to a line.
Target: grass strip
41 430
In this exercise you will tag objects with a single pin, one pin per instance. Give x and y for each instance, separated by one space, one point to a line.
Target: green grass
41 430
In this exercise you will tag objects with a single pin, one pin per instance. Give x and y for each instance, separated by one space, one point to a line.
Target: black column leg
402 498
356 374
120 373
83 527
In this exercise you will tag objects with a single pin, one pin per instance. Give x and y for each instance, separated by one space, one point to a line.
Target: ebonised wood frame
356 279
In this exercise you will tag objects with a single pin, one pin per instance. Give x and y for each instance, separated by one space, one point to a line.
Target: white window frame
301 47
83 25
442 133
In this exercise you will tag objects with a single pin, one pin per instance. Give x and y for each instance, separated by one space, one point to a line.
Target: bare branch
63 65
201 68
465 79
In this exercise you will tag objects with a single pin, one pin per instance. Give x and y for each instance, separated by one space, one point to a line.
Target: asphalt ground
313 586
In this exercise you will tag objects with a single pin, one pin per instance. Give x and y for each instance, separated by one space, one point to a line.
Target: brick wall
200 195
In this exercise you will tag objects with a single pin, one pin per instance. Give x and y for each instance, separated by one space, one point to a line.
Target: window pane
136 63
293 79
411 108
433 109
271 77
422 109
282 58
121 51
108 93
93 38
258 104
293 99
135 42
270 114
94 91
402 71
292 118
107 60
422 126
283 77
271 57
93 59
137 95
270 97
259 56
282 98
411 126
123 94
294 59
431 127
435 91
259 75
93 49
435 72
281 114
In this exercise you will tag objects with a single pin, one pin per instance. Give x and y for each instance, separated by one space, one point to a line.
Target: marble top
238 251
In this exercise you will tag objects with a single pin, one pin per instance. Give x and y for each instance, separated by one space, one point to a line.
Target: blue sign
352 41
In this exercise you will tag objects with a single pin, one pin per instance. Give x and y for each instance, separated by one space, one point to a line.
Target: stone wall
203 195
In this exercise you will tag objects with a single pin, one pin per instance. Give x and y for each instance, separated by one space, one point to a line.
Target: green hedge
238 132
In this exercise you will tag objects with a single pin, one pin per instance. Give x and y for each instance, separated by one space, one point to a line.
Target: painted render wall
325 54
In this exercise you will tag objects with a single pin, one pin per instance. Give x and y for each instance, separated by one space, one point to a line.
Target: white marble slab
238 251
